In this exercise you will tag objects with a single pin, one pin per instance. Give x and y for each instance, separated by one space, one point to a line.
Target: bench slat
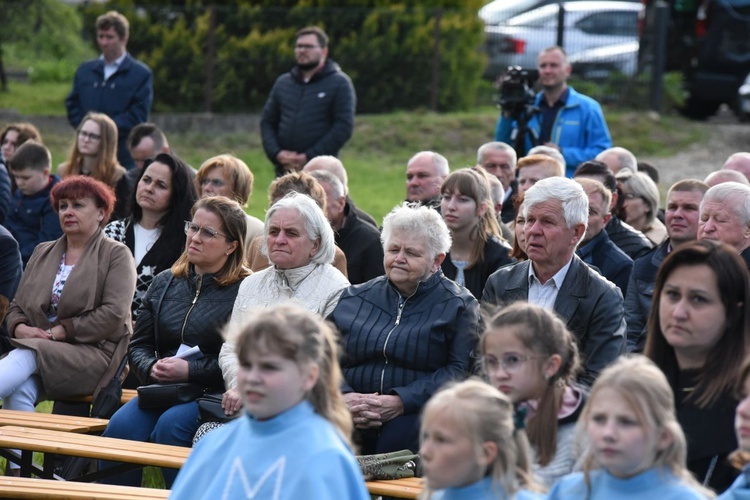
52 421
399 488
24 487
84 445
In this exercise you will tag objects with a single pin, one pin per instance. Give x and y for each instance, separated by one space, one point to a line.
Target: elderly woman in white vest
299 242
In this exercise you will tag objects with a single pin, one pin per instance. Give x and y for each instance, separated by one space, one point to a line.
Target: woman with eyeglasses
227 175
640 203
161 203
94 154
186 306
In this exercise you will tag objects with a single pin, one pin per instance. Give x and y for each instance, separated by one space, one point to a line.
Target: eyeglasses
630 196
206 232
217 183
510 362
89 136
305 46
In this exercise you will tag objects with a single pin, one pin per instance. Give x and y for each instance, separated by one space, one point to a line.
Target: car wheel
699 109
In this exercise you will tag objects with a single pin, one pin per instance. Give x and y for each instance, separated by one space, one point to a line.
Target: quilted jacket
193 312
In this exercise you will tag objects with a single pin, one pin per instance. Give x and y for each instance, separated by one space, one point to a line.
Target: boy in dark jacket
31 218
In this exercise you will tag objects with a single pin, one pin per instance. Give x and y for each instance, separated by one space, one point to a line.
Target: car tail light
510 45
701 19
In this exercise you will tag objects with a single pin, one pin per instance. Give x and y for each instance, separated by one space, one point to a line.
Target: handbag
107 402
386 466
210 410
163 396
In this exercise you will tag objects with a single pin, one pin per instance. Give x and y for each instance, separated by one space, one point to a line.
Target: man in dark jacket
596 248
626 237
310 111
115 84
558 280
681 218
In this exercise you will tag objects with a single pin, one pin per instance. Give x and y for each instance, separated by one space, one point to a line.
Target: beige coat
94 309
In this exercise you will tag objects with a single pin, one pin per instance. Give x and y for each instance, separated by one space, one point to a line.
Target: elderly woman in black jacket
186 306
404 334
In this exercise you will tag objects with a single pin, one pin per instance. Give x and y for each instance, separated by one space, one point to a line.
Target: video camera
516 90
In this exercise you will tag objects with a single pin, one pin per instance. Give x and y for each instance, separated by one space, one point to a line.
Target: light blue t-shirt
483 489
655 483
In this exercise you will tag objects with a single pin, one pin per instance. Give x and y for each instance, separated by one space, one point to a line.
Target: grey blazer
591 307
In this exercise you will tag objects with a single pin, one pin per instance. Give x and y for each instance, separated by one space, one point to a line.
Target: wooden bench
127 395
50 421
131 454
397 488
25 487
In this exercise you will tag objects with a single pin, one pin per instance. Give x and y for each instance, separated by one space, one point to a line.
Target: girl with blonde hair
635 445
293 441
471 447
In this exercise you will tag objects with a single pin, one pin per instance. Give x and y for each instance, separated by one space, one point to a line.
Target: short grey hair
316 224
720 176
332 180
496 190
625 158
498 146
732 195
421 223
441 162
547 151
331 164
574 200
645 187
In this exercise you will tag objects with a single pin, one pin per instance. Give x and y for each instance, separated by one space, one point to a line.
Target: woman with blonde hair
227 175
640 196
94 154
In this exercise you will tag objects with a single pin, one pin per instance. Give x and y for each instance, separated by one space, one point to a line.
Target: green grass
377 154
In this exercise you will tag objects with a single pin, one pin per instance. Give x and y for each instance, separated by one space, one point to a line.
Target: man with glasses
115 83
310 111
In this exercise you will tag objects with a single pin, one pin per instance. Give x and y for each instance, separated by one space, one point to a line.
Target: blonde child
470 447
529 355
293 441
635 446
740 489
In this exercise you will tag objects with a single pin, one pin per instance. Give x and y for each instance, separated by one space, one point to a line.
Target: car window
618 23
537 18
500 10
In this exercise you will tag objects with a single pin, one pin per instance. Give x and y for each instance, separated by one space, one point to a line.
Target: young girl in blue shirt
740 489
470 447
293 441
635 448
529 355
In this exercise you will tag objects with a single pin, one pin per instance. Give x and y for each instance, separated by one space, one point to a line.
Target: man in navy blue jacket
310 111
115 84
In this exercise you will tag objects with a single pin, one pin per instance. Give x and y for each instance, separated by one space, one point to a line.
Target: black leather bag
107 402
210 410
162 396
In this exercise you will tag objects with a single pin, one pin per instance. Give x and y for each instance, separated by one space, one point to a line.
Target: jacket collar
292 278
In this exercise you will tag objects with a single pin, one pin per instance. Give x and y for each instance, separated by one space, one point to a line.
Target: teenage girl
528 354
293 441
471 448
740 489
636 447
477 247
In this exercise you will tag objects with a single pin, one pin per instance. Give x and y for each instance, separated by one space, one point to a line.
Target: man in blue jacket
115 84
310 111
564 119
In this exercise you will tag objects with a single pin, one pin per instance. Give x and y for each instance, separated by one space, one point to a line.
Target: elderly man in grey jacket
555 278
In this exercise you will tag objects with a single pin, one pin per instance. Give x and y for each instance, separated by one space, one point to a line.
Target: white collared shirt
508 193
111 67
544 295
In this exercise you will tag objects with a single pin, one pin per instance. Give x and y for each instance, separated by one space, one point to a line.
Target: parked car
587 25
600 63
707 41
499 11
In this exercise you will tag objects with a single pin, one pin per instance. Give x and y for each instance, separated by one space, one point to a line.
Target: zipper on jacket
401 304
195 299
